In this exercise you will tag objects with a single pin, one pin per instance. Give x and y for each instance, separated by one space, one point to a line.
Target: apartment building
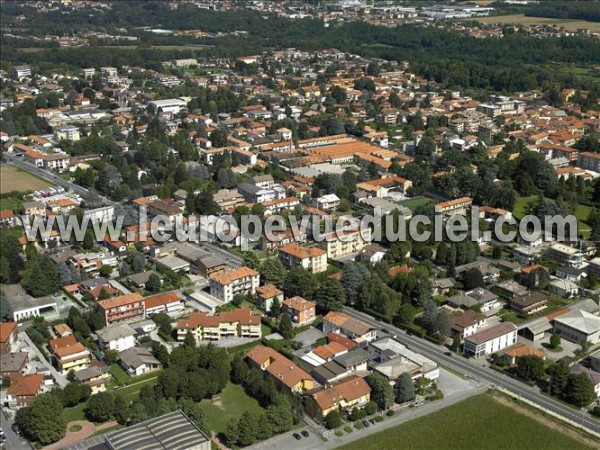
91 263
282 370
589 161
300 310
123 307
467 323
240 322
312 259
491 340
69 354
346 242
457 206
565 255
226 285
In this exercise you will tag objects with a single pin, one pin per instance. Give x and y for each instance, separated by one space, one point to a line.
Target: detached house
347 394
282 370
357 330
69 354
300 310
9 337
24 389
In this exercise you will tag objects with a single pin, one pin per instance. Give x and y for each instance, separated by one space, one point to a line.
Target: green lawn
478 423
520 206
413 203
129 393
75 413
581 212
119 374
234 402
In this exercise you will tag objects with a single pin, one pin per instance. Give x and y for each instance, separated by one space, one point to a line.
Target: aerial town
126 339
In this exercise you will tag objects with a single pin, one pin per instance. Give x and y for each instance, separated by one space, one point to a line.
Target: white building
67 132
578 326
328 201
118 337
170 105
242 280
491 340
97 215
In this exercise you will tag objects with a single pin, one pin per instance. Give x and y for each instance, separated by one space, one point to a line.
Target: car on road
304 433
297 436
448 353
366 423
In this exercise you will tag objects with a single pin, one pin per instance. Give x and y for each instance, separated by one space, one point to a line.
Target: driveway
61 380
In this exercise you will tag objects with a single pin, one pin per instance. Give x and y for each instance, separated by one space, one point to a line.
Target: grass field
568 24
413 203
581 212
13 179
478 423
75 413
234 402
119 374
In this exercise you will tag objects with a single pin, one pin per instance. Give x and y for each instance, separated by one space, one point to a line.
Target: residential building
565 255
346 242
67 132
491 340
589 161
167 302
138 361
467 323
9 337
460 206
579 327
391 359
226 285
240 322
300 310
266 295
118 337
13 365
168 106
24 389
327 202
486 300
312 259
357 330
564 288
69 354
95 377
123 307
529 304
281 369
345 395
520 350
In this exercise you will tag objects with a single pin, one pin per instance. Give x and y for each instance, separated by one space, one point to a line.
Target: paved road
61 380
13 441
477 371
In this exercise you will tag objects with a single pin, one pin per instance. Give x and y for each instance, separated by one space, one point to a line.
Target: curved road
471 368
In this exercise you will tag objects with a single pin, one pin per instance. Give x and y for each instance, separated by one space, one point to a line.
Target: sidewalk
61 380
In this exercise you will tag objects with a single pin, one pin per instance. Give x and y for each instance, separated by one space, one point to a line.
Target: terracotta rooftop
233 275
280 367
121 300
26 385
6 329
345 390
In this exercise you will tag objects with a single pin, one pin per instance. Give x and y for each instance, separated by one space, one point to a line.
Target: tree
138 262
239 369
42 421
530 368
299 282
272 271
138 412
285 326
371 407
75 393
381 391
330 295
280 415
559 378
473 278
356 414
124 269
160 352
251 260
153 284
555 341
100 407
189 340
333 420
404 389
121 410
106 271
353 276
580 389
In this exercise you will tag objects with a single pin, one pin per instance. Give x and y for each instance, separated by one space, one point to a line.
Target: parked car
366 423
304 433
297 436
372 421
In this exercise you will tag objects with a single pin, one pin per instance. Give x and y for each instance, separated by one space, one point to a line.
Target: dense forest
573 9
515 62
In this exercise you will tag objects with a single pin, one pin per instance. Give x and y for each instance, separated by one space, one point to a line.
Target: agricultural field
568 24
478 423
13 179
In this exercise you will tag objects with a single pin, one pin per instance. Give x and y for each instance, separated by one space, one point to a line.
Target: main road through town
474 369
